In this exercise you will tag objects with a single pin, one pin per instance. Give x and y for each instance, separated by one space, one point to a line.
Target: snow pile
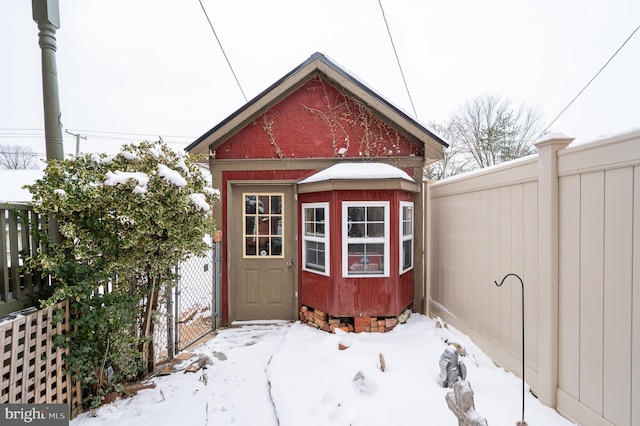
315 383
346 171
212 191
200 201
172 176
272 374
120 178
128 155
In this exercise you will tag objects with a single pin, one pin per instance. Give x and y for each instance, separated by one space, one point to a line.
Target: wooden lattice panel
32 369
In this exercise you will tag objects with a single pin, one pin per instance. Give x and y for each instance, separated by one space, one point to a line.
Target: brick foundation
321 320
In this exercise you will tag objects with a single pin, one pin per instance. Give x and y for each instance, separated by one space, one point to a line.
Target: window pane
321 256
250 204
276 225
376 249
356 221
407 228
407 213
407 255
315 258
263 225
276 246
407 220
276 204
319 214
250 223
356 214
355 229
308 215
375 214
320 229
375 230
263 204
250 246
366 258
312 257
308 229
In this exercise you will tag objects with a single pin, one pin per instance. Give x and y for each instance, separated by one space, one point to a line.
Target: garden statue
450 368
460 401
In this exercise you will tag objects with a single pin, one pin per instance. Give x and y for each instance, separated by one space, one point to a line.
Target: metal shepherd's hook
523 364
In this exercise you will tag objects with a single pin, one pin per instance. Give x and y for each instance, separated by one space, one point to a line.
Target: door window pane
263 225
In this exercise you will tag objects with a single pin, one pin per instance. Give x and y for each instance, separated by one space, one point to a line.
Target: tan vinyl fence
568 222
32 369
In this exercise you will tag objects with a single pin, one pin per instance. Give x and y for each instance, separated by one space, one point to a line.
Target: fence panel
599 281
194 300
17 290
471 251
32 369
568 222
186 311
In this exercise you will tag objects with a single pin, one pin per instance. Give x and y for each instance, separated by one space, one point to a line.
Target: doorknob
289 262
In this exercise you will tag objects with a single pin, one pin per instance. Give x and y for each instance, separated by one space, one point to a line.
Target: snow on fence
32 369
568 222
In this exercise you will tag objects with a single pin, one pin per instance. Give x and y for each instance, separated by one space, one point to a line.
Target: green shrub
125 222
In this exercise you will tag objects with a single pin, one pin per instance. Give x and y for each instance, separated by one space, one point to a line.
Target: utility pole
46 13
78 137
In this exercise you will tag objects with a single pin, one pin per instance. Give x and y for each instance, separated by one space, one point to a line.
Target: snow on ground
291 374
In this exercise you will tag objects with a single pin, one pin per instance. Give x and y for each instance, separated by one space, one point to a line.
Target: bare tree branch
17 157
493 131
486 130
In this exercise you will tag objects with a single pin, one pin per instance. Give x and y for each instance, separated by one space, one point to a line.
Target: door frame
238 187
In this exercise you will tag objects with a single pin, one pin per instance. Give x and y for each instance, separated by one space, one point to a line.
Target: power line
590 81
223 52
397 59
94 134
132 134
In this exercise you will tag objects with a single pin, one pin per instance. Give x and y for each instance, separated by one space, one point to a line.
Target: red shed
322 199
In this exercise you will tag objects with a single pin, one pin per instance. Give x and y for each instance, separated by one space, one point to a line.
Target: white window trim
403 238
346 240
325 239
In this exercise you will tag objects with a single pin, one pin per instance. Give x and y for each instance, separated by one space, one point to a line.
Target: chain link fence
186 312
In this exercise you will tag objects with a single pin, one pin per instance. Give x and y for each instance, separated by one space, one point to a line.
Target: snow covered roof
352 171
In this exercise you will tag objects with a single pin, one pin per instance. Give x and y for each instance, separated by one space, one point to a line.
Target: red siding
353 297
317 121
314 289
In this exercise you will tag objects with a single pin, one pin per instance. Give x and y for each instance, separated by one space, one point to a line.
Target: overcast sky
143 69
